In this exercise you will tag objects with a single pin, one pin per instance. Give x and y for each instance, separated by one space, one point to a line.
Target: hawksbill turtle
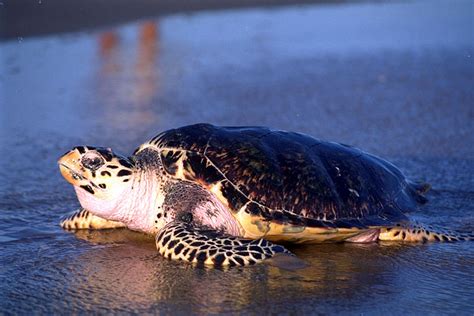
228 195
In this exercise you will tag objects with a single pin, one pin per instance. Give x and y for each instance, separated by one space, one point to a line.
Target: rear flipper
181 241
414 232
83 219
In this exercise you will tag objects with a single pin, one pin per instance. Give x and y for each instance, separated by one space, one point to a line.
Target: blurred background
366 73
394 78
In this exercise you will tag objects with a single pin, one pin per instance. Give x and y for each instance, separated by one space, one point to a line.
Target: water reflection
146 64
126 268
108 42
128 79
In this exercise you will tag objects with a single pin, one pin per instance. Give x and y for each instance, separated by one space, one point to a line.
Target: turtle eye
92 162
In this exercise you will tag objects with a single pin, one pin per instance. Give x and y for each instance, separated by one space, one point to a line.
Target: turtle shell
288 177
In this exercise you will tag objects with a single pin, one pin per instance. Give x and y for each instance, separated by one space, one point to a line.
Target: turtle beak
70 167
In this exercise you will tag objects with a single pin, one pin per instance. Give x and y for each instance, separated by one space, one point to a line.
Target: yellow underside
256 227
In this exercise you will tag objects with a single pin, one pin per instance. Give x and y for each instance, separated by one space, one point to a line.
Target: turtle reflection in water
228 195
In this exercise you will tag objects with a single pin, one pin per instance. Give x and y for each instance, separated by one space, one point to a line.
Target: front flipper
83 219
181 241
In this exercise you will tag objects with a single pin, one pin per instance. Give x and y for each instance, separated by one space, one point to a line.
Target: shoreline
23 18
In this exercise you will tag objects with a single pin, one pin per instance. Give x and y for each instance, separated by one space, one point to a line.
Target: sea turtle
227 195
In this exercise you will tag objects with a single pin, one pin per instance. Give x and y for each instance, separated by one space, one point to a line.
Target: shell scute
199 168
290 177
193 137
234 198
170 160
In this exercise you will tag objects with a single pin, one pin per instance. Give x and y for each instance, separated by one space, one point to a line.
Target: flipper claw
83 219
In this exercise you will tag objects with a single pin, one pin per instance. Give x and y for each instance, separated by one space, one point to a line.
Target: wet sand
393 79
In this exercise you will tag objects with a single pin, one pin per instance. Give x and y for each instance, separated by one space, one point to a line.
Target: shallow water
350 73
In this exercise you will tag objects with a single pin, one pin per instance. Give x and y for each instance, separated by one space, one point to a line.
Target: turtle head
101 177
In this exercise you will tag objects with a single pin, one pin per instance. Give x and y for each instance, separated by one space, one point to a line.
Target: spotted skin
182 241
83 219
414 232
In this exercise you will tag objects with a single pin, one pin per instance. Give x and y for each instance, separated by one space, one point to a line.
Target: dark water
393 79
